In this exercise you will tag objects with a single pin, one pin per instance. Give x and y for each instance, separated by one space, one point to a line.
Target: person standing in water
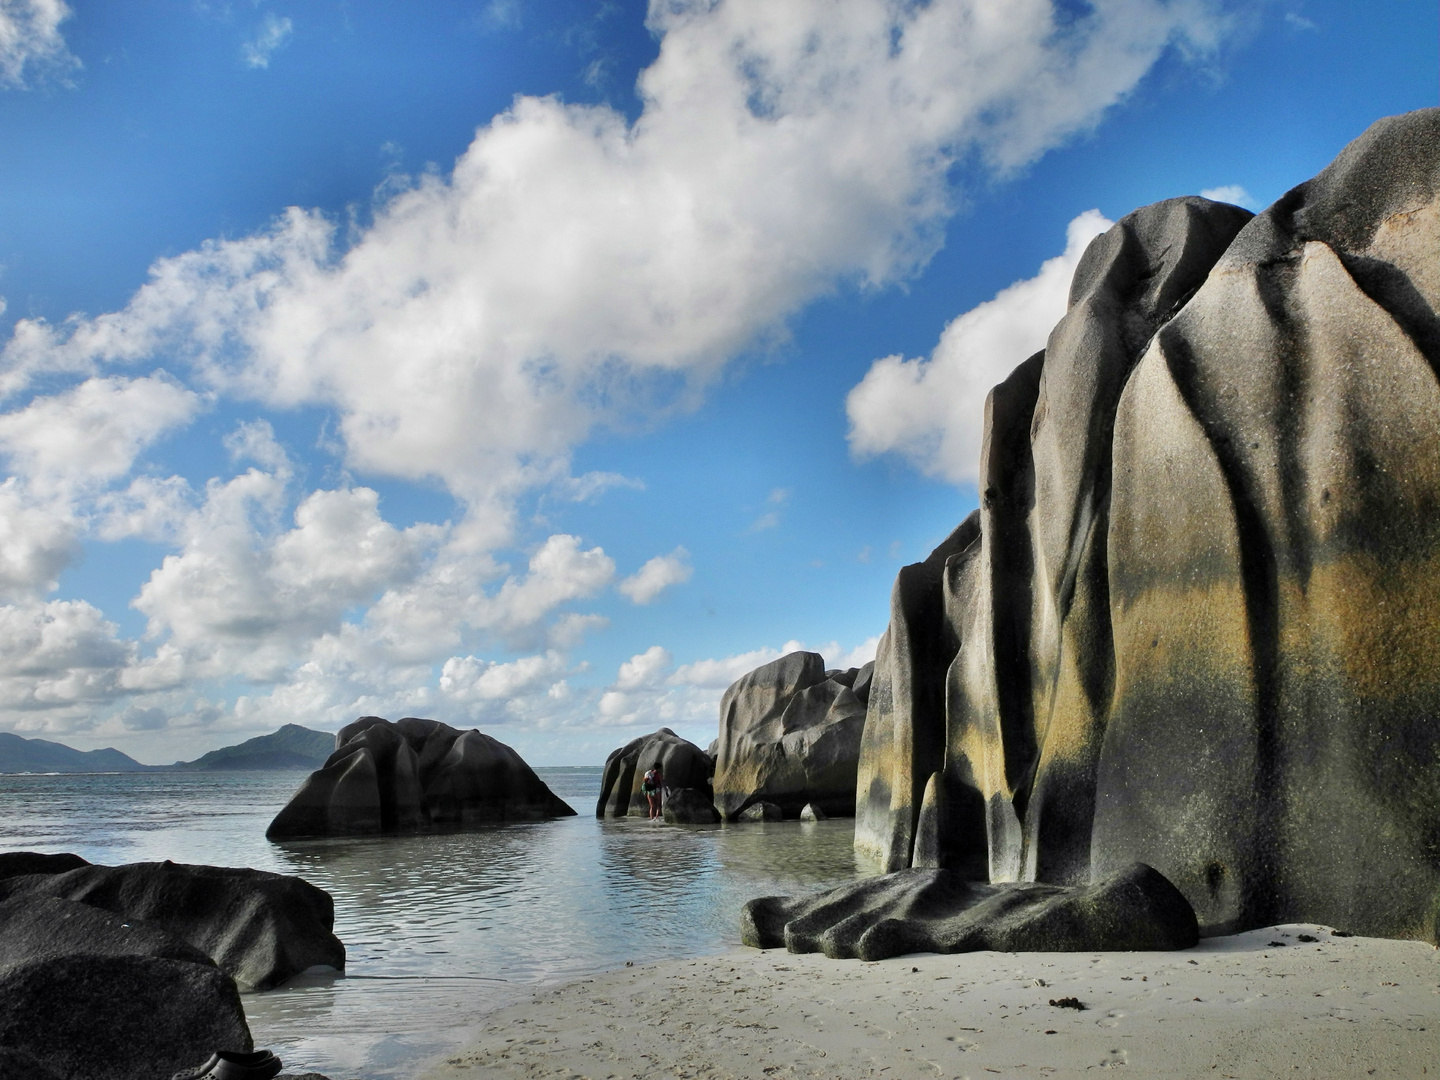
651 785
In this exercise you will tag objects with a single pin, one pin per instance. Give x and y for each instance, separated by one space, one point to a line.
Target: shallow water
439 928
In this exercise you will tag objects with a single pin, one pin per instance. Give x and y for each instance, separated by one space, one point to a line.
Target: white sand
1232 1007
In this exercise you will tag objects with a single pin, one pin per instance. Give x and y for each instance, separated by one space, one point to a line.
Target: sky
546 366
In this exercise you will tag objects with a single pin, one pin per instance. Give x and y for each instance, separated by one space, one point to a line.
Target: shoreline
1233 1006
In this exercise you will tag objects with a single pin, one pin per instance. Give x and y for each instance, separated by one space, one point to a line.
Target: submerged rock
1195 621
687 798
790 734
942 911
411 775
260 928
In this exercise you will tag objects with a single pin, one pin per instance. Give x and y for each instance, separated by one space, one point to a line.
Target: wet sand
1236 1007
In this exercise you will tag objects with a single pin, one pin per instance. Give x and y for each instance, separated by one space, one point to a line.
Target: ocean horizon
439 928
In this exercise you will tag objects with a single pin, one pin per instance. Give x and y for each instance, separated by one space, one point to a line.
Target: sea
440 929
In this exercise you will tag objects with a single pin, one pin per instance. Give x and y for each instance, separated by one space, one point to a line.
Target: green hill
292 747
22 755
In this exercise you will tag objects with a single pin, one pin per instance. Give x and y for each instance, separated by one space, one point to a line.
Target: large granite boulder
790 735
410 775
1195 621
260 928
686 797
86 994
943 911
116 1017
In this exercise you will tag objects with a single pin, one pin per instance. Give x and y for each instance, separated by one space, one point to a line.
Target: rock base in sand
921 910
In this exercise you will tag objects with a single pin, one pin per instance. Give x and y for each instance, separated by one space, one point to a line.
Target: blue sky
545 366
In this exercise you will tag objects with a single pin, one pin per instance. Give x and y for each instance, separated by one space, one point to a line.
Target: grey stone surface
761 811
1195 621
686 769
117 1017
46 928
411 775
811 812
942 911
790 734
260 928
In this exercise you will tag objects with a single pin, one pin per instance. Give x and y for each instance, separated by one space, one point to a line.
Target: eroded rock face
943 911
790 734
260 928
1196 619
89 994
410 775
686 770
117 1017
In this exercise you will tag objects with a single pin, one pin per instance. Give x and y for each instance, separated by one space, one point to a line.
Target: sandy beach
1237 1007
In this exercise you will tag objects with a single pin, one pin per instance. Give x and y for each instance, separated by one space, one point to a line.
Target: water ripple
440 928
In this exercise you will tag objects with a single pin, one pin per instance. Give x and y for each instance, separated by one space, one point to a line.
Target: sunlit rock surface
1195 622
259 928
926 910
685 768
410 775
790 735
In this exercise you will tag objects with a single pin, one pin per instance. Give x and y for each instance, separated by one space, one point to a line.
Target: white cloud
469 678
31 45
1232 193
657 575
648 694
574 271
933 410
718 674
577 270
239 599
589 486
638 694
151 508
92 432
36 543
272 35
58 654
559 572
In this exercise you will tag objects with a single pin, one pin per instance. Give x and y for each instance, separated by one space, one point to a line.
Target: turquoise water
439 929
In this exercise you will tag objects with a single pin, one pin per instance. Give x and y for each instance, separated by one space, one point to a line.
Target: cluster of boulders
134 972
686 795
410 775
1195 621
789 740
789 747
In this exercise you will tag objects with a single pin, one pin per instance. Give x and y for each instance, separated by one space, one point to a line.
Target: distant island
292 747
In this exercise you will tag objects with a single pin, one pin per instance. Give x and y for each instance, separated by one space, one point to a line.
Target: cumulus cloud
577 269
93 432
58 654
636 696
273 33
932 411
31 45
649 692
559 572
36 543
1232 193
657 575
469 678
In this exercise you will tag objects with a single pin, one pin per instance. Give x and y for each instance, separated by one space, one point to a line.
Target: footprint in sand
1116 1059
1111 1019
